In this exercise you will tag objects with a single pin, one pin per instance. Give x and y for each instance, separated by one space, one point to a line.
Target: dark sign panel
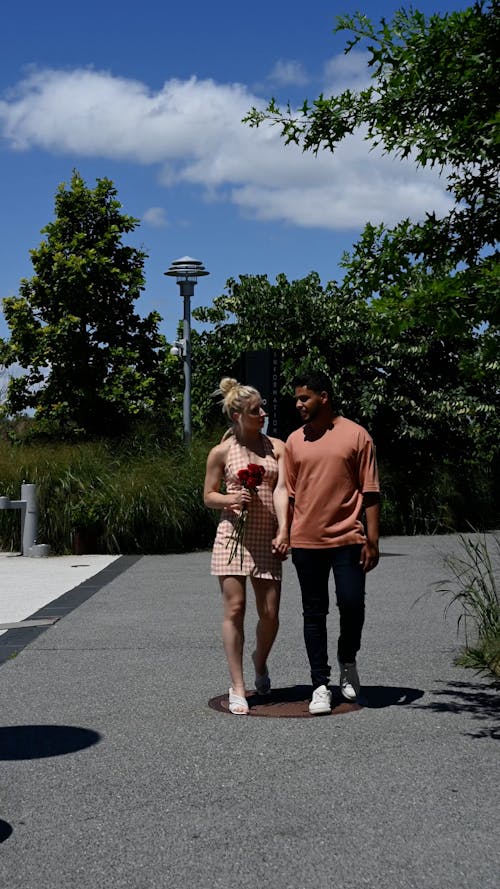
262 370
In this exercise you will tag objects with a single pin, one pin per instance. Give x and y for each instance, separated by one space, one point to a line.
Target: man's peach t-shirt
327 478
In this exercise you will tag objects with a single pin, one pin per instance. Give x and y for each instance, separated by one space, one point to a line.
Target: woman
265 541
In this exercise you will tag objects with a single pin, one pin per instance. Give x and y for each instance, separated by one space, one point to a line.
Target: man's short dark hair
317 381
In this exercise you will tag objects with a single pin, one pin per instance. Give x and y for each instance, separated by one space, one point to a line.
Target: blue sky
151 96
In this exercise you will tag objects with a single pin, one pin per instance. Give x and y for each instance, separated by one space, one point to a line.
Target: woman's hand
238 500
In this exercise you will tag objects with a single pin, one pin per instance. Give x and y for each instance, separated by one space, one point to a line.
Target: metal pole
29 517
187 291
187 270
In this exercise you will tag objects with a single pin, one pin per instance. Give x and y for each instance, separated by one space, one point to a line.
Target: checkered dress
261 524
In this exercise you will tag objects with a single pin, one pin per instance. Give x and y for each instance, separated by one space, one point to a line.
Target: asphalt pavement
117 773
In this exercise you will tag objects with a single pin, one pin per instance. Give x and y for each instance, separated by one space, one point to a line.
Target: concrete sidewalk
26 585
116 772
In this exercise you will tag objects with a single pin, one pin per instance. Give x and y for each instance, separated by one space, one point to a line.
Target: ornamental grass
134 497
474 586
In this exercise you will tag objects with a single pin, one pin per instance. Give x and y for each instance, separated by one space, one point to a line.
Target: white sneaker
349 681
321 700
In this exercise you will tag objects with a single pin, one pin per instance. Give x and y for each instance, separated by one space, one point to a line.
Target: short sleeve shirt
327 477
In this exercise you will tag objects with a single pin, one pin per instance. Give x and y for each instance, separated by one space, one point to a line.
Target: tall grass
135 497
474 585
141 496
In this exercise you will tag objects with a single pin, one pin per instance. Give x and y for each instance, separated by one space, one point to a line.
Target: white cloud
289 73
346 71
192 130
156 217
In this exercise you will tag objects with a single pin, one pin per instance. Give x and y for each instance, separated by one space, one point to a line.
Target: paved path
28 584
117 774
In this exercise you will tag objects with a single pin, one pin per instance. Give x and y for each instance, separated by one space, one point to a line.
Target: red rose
250 478
255 468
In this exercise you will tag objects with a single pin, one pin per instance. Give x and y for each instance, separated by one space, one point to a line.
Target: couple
317 485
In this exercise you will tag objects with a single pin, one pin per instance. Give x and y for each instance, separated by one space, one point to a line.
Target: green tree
302 320
433 285
435 96
91 365
432 417
411 386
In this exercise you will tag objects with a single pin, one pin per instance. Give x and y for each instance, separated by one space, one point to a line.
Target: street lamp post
186 270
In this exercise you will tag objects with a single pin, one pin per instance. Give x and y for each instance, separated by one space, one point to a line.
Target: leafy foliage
301 320
427 398
434 96
432 286
91 363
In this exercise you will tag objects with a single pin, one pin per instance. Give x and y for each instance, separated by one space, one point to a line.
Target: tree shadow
479 700
39 741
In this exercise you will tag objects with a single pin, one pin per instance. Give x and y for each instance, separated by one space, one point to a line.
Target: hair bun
227 384
234 396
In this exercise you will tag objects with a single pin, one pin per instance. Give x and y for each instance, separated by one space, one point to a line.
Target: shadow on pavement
479 700
392 555
378 696
293 701
5 830
38 741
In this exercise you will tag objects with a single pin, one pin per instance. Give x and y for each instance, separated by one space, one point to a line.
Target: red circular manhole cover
290 703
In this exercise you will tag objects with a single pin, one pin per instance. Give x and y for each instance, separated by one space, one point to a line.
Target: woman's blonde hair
234 396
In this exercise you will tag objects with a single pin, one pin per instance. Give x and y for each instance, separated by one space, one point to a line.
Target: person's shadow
293 701
372 696
377 696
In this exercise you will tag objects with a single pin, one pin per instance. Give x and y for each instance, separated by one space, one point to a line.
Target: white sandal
237 704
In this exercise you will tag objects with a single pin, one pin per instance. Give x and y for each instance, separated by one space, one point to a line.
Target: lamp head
186 268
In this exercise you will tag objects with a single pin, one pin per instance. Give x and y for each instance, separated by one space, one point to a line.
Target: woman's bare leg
233 637
267 600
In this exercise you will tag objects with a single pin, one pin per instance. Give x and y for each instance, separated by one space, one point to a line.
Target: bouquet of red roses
250 478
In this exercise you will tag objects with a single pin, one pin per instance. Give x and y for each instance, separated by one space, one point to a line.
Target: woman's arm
214 474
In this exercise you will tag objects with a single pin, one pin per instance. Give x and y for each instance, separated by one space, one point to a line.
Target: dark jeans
313 569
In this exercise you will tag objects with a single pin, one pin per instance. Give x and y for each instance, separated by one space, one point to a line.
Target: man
332 480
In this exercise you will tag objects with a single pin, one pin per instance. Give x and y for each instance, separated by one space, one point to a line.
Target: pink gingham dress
261 524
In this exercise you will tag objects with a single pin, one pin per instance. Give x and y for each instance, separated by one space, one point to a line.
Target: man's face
309 403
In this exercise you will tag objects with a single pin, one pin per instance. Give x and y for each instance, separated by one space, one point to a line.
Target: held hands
280 545
369 556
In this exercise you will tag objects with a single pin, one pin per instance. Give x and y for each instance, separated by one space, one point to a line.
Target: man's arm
369 551
280 501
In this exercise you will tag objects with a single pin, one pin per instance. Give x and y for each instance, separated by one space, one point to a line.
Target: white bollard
29 517
29 521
